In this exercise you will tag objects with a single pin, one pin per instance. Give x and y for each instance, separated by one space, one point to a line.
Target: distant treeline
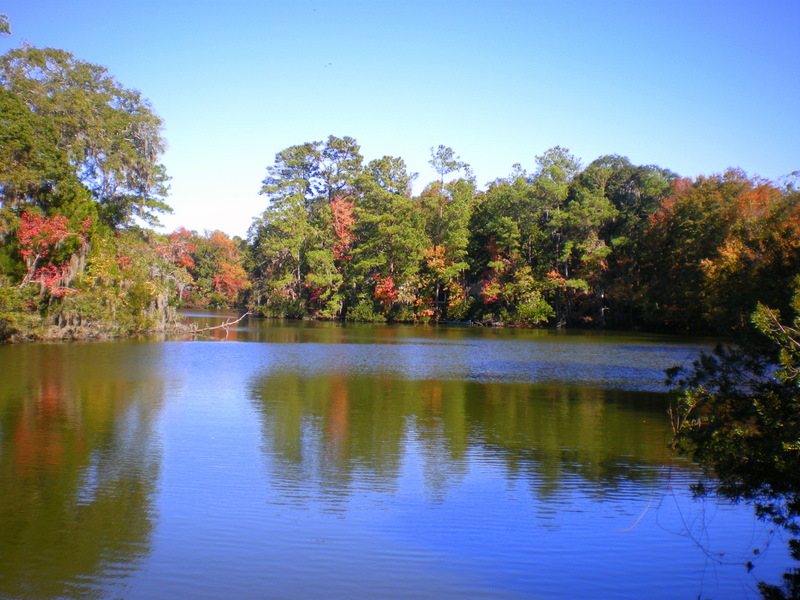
609 244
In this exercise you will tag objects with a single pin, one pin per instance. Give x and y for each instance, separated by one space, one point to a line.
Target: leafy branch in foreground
737 414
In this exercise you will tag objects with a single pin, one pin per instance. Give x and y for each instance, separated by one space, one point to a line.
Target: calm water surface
322 461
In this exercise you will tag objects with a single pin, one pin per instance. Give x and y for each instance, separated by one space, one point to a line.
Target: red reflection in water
228 335
338 413
44 431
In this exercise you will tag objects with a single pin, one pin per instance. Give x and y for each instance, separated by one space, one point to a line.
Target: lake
317 460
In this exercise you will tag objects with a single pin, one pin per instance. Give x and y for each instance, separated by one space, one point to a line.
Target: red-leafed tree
385 290
41 240
230 280
180 248
38 236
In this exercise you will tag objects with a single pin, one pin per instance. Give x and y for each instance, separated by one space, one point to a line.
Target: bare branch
226 324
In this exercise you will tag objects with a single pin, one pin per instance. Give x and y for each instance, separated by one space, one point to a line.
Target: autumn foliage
342 222
213 264
717 246
611 244
385 290
40 241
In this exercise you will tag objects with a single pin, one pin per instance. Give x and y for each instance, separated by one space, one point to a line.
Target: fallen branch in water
226 324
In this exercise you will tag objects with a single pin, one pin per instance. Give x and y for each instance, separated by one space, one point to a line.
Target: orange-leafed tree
717 246
215 264
180 248
342 220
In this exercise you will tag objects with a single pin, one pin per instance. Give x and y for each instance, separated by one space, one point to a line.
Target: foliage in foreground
738 415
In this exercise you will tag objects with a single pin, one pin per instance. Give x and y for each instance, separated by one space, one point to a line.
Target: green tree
296 241
78 162
280 238
341 164
444 161
35 175
505 252
551 185
111 134
33 169
384 272
636 193
446 210
556 169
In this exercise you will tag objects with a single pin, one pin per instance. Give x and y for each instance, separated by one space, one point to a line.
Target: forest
608 244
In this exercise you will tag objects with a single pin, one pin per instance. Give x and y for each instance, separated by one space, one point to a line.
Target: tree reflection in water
78 468
337 432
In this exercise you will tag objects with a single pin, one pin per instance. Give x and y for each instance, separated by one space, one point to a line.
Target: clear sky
694 86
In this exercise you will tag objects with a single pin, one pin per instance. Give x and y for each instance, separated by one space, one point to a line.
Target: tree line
608 244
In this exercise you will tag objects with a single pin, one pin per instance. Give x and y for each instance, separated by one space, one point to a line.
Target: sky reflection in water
357 463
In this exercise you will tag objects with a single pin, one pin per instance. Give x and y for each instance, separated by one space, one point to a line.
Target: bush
461 309
534 310
365 312
19 313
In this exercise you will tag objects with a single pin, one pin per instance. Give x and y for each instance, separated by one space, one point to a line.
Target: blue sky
693 86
